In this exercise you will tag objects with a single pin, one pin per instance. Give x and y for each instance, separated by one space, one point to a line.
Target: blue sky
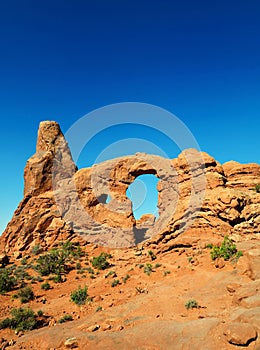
62 59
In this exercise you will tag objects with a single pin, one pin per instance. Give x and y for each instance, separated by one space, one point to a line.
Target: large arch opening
144 195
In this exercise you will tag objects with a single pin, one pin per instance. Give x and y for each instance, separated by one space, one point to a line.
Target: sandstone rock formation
196 194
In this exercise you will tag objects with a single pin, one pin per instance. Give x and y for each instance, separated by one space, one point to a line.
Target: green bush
79 296
151 254
166 272
148 269
126 278
40 313
89 270
72 249
257 188
191 304
22 319
111 273
46 286
36 249
54 262
7 281
21 274
65 318
24 261
100 262
26 294
227 250
115 283
58 278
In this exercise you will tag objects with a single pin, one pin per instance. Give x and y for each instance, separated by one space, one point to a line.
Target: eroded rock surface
196 194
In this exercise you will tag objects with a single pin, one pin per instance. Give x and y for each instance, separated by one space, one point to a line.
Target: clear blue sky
61 59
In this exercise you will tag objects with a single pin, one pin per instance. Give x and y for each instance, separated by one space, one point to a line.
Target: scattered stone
17 255
105 327
97 298
93 328
241 334
232 288
138 253
219 263
11 342
71 343
43 300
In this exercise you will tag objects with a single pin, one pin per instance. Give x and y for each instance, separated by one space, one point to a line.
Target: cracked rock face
195 194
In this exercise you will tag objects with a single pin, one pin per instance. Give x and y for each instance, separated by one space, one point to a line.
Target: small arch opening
104 198
144 195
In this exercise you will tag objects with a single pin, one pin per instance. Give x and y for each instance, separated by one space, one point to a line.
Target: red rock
240 333
196 195
71 343
93 328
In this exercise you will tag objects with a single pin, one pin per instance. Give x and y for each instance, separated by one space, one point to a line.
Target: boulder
241 334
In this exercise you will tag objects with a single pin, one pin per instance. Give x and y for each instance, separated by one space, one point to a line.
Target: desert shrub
191 304
151 254
65 318
46 286
227 250
89 270
126 278
111 273
22 319
49 263
257 188
166 272
79 296
7 281
190 259
72 249
148 269
115 283
40 313
26 294
78 266
209 246
54 262
38 278
21 274
100 262
36 249
24 261
58 278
